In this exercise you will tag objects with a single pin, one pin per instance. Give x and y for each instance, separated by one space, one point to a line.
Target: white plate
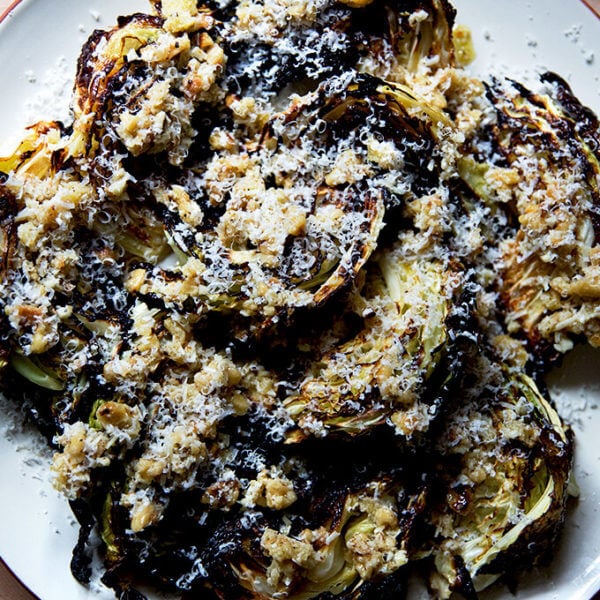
39 42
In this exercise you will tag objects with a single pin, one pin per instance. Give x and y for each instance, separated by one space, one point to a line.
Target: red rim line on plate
8 8
593 5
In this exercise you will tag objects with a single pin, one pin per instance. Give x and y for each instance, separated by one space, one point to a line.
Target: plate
39 43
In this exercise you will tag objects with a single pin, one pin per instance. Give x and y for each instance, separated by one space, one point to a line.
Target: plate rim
585 587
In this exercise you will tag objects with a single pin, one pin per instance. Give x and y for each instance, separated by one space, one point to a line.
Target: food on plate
502 472
281 294
551 272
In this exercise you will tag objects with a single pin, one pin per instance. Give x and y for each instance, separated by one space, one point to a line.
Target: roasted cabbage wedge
547 180
363 536
391 371
48 330
346 540
394 40
292 231
348 530
137 88
504 473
